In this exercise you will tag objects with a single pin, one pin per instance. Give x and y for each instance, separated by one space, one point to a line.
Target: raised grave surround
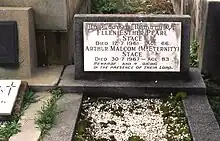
201 120
75 79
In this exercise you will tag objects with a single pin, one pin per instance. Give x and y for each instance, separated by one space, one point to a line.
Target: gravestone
131 55
148 48
8 94
8 44
209 60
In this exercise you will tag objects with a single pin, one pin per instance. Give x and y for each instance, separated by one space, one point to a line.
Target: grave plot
8 94
132 120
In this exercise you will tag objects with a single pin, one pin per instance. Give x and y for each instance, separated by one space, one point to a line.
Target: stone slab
29 132
19 100
8 93
45 78
79 19
26 41
49 14
130 88
69 105
201 119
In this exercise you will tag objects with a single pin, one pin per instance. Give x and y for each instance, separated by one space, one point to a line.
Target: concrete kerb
201 120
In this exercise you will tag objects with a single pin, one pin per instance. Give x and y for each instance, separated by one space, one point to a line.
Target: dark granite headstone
8 44
211 52
132 47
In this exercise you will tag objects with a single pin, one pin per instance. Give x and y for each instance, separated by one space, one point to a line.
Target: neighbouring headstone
50 14
27 54
209 51
8 94
8 44
134 48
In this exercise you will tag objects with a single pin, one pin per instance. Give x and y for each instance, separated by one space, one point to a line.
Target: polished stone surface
201 119
145 76
131 88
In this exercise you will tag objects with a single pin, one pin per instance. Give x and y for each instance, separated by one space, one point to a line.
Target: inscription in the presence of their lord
132 46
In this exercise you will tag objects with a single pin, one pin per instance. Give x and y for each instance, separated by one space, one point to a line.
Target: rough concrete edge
22 91
77 117
195 131
41 88
47 87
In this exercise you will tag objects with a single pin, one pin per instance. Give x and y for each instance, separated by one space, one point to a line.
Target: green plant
49 110
194 54
12 126
57 92
8 129
104 6
29 98
174 118
132 6
135 138
47 116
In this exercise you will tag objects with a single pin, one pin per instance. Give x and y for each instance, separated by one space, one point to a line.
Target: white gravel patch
125 118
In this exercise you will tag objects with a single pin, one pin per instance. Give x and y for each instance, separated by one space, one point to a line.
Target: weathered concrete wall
57 47
49 14
198 10
177 6
26 41
205 28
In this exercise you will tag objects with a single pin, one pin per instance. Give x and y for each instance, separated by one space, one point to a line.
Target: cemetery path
29 132
68 109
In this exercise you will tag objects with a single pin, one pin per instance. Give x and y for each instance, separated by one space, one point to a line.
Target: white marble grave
8 94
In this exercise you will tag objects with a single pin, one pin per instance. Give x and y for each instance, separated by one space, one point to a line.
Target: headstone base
196 85
134 76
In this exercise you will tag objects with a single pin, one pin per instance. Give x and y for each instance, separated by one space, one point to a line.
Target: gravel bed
130 120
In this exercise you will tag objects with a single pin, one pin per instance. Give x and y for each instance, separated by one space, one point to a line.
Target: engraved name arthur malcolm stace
132 46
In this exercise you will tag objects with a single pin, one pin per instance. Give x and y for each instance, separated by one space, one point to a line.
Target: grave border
128 88
201 120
